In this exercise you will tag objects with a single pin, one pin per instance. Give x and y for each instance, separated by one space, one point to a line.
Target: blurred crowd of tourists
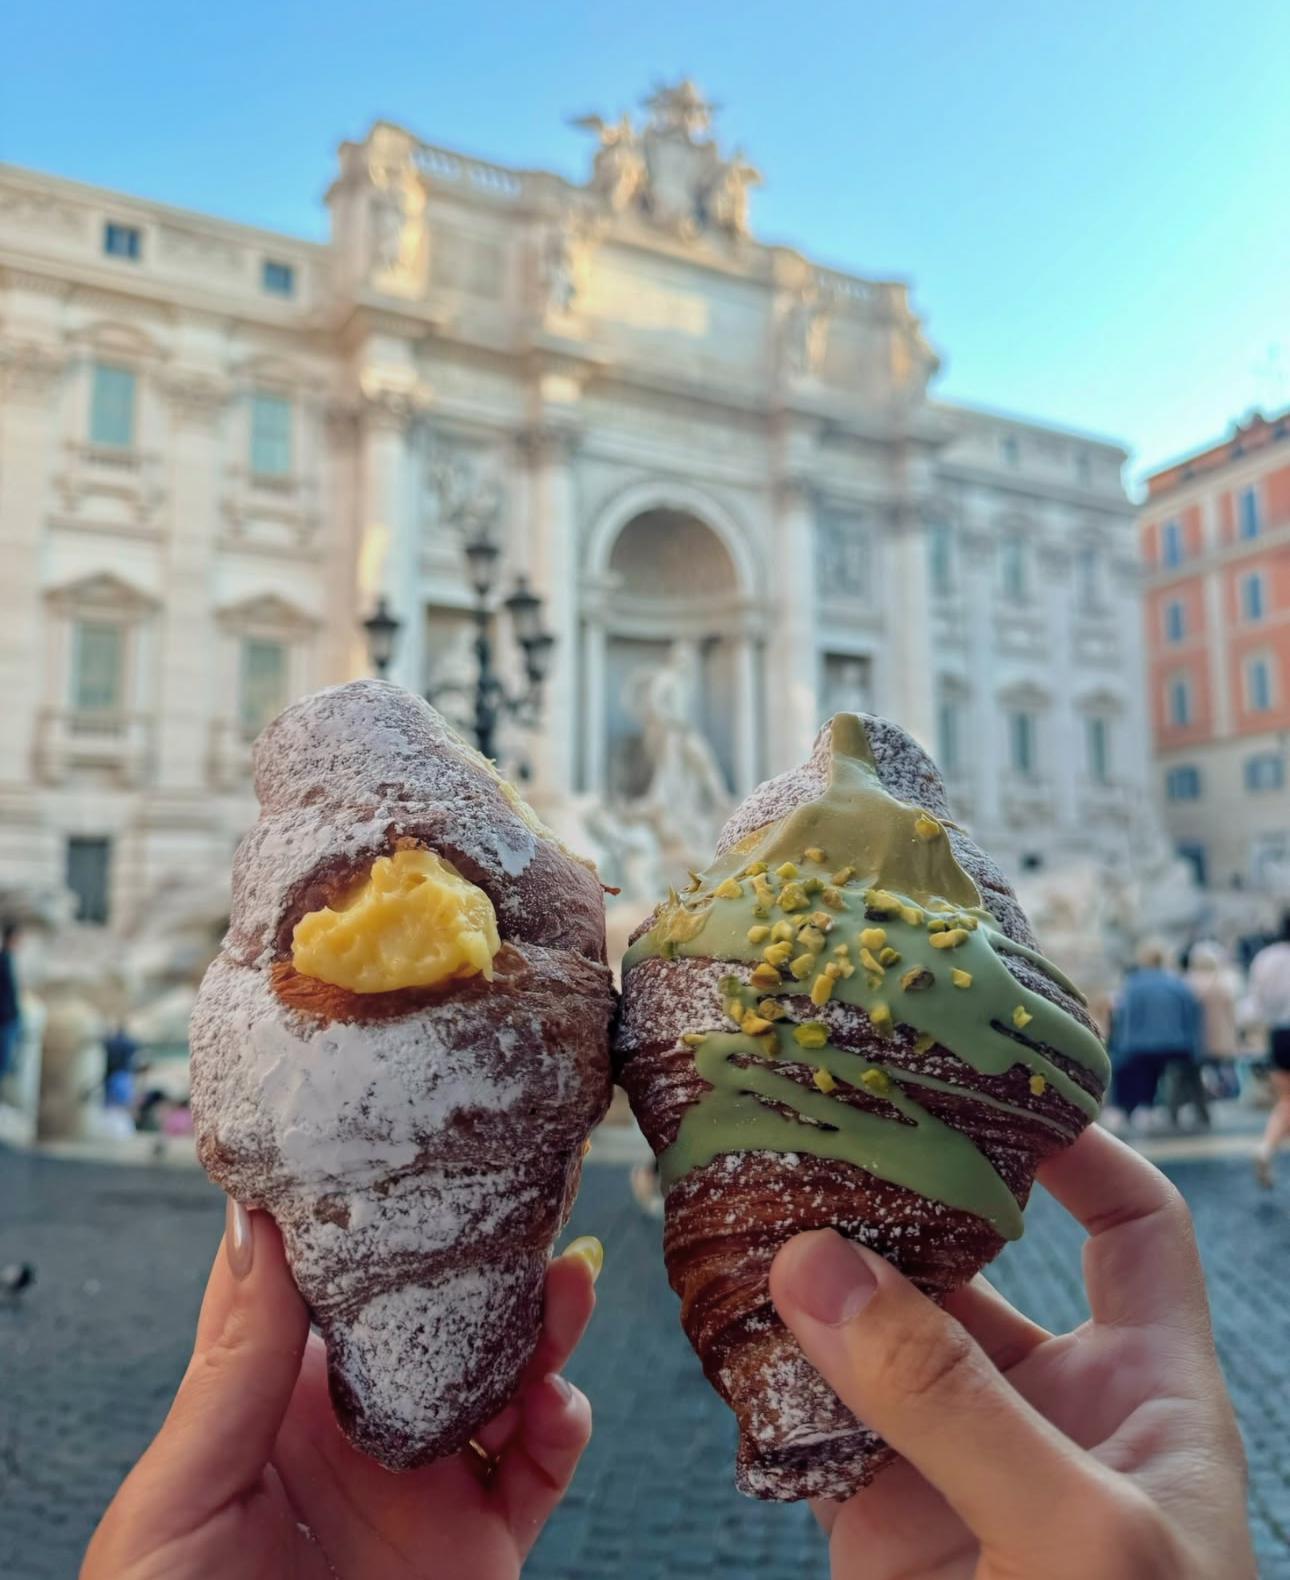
1213 1024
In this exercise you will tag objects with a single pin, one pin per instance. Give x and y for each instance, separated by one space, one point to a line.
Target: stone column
30 377
389 548
794 658
982 737
186 657
555 574
910 670
595 661
1064 765
747 718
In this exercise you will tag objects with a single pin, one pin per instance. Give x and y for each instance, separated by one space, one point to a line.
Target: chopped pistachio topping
821 988
877 1082
754 869
783 932
811 1034
754 1025
814 853
869 960
843 875
772 1009
888 957
1020 1017
778 954
960 978
926 827
786 869
1038 1085
728 889
692 1039
917 979
842 950
950 940
792 897
823 1080
910 915
822 920
764 976
879 903
758 935
833 968
923 1042
873 937
813 885
811 938
833 899
880 1019
802 967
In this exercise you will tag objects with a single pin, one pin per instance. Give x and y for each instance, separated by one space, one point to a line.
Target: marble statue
686 799
559 272
806 332
671 172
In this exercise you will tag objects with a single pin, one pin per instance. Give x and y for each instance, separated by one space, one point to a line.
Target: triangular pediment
104 591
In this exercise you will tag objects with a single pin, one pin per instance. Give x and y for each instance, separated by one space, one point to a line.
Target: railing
74 738
495 181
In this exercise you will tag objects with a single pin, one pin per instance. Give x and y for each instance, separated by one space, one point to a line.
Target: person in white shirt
1269 999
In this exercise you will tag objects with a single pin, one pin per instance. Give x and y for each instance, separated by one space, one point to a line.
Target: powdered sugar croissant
400 1053
842 1022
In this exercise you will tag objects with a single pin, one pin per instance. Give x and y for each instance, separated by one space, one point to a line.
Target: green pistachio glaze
875 863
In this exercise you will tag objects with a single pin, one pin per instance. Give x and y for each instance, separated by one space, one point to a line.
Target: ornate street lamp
382 630
491 699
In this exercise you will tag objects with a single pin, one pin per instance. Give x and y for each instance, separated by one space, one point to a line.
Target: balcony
112 745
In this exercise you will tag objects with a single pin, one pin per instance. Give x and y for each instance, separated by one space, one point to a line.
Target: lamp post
492 699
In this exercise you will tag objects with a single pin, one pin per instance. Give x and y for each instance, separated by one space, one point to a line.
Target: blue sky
1089 200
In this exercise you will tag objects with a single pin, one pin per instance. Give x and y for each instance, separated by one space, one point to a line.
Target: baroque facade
1215 544
718 462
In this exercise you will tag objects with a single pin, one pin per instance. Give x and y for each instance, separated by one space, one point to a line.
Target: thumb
251 1335
915 1376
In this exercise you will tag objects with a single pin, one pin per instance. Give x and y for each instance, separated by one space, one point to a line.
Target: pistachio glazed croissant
400 1053
843 1022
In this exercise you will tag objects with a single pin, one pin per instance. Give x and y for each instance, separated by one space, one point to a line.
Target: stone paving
90 1356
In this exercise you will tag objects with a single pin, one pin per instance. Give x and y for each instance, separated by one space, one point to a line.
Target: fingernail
591 1252
239 1243
561 1385
832 1280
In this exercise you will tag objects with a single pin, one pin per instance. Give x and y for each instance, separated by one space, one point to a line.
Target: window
1171 544
1098 734
121 241
1013 553
1021 742
947 735
1248 512
1183 783
1264 772
279 279
263 685
1009 450
939 562
1252 596
89 863
1087 579
1194 855
1258 685
112 406
98 651
1179 700
270 435
1175 620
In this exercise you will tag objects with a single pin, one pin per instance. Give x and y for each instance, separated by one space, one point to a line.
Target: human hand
1111 1451
250 1477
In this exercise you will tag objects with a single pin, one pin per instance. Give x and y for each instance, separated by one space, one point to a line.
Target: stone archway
669 638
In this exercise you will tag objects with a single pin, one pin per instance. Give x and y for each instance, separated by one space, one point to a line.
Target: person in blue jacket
1156 1026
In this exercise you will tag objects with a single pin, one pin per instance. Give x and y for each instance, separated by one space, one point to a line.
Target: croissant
400 1053
843 1022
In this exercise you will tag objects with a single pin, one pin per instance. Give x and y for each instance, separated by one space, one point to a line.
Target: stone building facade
716 461
1215 544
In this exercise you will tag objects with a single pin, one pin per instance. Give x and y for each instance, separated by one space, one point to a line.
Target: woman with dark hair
1270 1005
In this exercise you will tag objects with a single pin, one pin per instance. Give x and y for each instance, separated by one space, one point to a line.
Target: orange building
1214 536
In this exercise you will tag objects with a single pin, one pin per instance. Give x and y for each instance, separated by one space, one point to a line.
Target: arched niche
672 598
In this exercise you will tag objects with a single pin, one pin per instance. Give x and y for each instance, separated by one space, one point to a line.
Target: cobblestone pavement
90 1356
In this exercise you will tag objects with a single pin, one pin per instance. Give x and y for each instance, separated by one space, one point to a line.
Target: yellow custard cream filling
414 921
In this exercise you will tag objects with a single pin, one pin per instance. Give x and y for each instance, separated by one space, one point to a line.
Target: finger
1003 1333
537 1465
567 1303
911 1373
218 1435
1141 1266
